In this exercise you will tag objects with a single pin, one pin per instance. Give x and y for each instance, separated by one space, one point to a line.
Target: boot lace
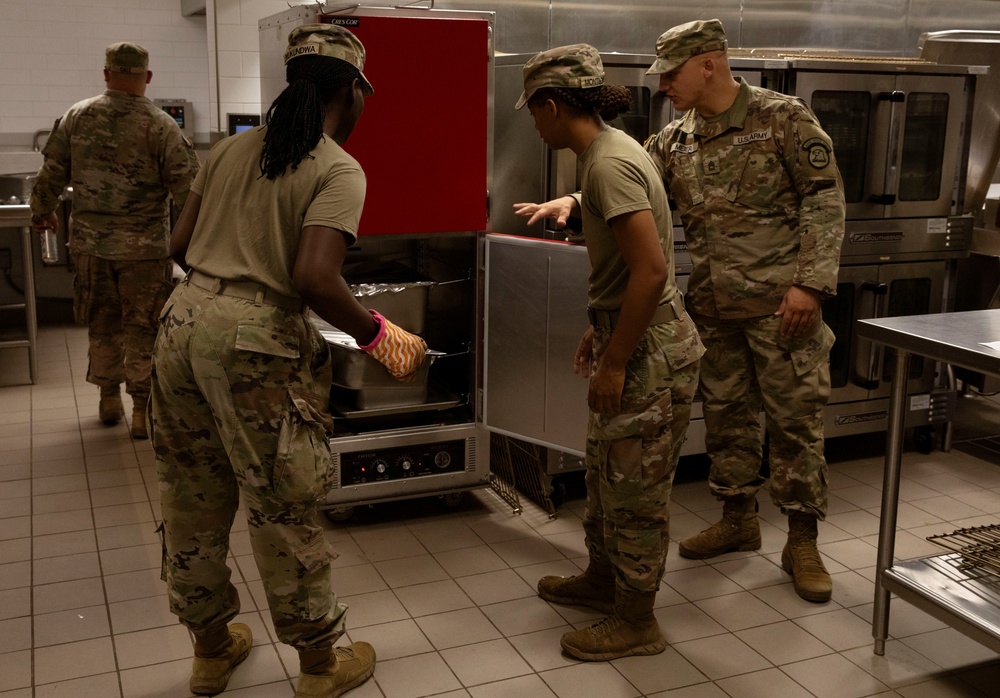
607 626
807 556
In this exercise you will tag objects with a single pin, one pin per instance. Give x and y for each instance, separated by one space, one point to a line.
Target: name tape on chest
687 148
745 138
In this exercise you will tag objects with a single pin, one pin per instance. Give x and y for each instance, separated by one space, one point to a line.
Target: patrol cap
126 57
680 43
328 40
577 65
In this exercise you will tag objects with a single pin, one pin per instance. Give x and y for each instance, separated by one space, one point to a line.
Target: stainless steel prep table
968 602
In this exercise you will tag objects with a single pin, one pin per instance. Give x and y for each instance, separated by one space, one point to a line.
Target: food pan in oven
353 368
397 292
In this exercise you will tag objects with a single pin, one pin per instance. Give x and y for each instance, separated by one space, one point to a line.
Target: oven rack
977 548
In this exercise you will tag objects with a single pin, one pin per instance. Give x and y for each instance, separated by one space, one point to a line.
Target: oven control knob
380 467
405 463
442 459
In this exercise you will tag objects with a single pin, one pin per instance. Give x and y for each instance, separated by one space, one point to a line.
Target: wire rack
978 548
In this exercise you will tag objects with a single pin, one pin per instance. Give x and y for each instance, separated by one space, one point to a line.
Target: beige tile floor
447 597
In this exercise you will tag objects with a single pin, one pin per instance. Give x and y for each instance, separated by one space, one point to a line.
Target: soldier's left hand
49 222
799 309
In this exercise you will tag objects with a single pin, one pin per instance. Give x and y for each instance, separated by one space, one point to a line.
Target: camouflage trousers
120 301
632 456
240 408
749 365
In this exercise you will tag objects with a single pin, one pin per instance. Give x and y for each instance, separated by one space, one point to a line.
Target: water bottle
50 246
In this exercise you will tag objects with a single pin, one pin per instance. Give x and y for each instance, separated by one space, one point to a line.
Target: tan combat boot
111 409
594 588
801 559
332 672
214 661
631 629
138 430
738 530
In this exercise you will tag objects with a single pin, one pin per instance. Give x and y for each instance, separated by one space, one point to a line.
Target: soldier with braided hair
241 378
641 353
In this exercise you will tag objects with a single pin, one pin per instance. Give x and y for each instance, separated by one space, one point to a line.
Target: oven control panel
402 462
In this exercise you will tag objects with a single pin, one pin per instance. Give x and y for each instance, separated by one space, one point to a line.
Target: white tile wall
52 53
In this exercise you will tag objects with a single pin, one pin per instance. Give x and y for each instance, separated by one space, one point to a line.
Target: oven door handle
871 381
888 195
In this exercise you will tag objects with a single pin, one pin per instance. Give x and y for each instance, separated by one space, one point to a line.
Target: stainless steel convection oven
901 133
419 252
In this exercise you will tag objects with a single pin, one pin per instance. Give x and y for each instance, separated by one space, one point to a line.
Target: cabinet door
536 301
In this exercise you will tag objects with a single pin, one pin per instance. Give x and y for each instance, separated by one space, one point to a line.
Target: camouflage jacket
761 200
122 155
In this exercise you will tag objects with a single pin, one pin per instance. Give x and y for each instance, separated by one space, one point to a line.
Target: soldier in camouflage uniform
241 377
755 182
641 354
123 157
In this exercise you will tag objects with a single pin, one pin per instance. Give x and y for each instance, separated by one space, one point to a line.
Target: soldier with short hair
754 179
124 157
640 353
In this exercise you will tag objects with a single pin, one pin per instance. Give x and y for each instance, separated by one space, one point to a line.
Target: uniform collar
734 117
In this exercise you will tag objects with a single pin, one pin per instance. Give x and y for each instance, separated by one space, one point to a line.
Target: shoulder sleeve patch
818 152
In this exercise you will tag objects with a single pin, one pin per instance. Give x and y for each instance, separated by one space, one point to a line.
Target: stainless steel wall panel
522 26
631 27
934 15
874 27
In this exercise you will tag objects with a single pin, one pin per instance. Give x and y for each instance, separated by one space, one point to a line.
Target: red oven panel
422 140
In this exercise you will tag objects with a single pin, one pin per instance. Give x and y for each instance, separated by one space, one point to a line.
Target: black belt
248 290
666 312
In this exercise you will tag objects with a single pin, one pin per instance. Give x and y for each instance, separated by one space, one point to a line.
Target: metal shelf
967 600
20 217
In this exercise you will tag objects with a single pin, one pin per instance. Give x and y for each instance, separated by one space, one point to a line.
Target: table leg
890 497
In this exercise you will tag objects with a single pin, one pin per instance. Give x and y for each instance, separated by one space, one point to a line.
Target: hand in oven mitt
399 351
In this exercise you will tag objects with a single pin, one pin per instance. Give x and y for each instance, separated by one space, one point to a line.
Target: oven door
915 288
849 364
897 139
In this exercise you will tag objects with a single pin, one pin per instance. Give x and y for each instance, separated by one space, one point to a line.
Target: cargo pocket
266 340
639 451
315 558
303 464
814 350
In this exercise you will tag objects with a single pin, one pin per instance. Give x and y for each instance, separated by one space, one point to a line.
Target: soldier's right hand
49 222
559 210
401 352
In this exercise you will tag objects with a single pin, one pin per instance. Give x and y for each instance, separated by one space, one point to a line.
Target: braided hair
608 101
295 118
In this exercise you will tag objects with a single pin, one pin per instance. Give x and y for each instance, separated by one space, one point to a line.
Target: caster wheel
339 515
452 500
558 494
925 439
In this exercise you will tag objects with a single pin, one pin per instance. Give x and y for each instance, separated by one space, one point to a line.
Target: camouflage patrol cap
680 43
577 65
126 57
329 40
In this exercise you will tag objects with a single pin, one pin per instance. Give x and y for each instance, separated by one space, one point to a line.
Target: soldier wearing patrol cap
640 353
124 157
754 179
241 380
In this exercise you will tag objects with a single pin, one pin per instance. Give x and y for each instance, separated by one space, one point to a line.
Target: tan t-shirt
248 228
617 176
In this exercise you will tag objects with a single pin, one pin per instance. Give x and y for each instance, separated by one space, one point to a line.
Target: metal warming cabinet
427 155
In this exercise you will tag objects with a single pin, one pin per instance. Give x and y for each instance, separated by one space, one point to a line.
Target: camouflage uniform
122 155
632 456
239 398
762 205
